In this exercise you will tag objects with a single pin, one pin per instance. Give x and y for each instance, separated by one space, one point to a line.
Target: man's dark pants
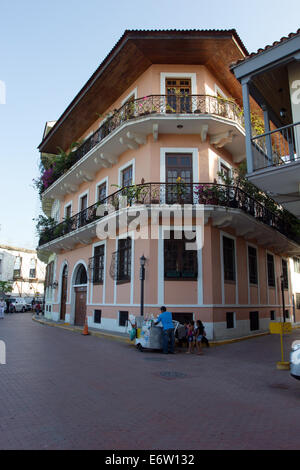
168 341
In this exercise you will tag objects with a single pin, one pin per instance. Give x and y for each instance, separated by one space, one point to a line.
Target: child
191 336
199 336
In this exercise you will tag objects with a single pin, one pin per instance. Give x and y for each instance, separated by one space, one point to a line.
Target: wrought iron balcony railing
175 193
157 104
277 147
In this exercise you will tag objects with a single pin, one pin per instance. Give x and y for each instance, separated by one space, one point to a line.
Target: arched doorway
80 295
64 289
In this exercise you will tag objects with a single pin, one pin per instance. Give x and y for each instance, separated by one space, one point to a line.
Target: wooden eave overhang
267 70
134 53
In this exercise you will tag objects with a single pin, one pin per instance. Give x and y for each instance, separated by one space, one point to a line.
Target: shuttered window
252 261
124 260
229 259
271 270
49 274
180 263
98 265
285 274
101 192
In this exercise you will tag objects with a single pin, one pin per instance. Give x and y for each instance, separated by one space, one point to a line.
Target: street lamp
142 279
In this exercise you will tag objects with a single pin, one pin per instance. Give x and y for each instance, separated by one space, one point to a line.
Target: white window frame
123 167
86 193
132 93
190 75
130 234
225 234
161 265
104 180
234 321
220 91
195 157
225 163
55 210
248 273
119 311
267 278
69 204
103 242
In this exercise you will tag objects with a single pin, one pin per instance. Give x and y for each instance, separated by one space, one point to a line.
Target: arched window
81 276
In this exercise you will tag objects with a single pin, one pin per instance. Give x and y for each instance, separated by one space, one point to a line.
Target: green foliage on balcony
53 166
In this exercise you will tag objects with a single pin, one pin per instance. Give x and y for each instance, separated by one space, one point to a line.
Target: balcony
128 127
225 205
276 165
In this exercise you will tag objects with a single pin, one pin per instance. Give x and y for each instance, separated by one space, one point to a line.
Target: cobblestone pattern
62 390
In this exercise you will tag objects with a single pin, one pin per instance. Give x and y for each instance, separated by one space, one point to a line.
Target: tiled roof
266 48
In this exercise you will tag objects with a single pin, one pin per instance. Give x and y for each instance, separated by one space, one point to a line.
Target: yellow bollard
281 328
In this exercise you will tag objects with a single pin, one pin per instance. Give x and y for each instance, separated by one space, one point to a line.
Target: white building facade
23 268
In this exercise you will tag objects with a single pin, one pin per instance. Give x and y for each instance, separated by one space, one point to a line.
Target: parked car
17 304
29 303
295 360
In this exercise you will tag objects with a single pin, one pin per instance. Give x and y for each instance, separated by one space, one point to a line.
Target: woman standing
2 308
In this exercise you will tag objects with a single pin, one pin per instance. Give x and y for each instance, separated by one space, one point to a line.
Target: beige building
160 123
23 268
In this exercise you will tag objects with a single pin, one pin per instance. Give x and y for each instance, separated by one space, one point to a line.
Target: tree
6 287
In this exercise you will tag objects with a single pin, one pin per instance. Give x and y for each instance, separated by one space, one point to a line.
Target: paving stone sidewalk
67 391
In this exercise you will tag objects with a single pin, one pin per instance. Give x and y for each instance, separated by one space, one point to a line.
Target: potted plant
169 109
200 193
130 110
153 109
155 192
180 189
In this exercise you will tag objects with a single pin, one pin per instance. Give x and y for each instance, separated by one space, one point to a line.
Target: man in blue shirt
168 330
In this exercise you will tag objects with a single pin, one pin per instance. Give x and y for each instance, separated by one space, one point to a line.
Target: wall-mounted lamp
55 285
282 113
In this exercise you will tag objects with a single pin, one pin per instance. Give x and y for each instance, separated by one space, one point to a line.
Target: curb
127 340
79 330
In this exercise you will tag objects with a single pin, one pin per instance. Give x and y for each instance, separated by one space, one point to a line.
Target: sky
48 50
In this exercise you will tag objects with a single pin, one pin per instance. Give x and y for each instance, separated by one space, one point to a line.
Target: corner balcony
129 126
225 206
276 165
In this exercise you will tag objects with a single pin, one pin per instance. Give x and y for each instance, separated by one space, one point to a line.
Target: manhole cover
170 375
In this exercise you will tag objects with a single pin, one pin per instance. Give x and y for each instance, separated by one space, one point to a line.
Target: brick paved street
61 390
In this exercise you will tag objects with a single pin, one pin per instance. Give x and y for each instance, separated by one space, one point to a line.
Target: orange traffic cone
85 331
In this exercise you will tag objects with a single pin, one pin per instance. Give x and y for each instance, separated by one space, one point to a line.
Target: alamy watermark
2 353
2 92
152 222
295 95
